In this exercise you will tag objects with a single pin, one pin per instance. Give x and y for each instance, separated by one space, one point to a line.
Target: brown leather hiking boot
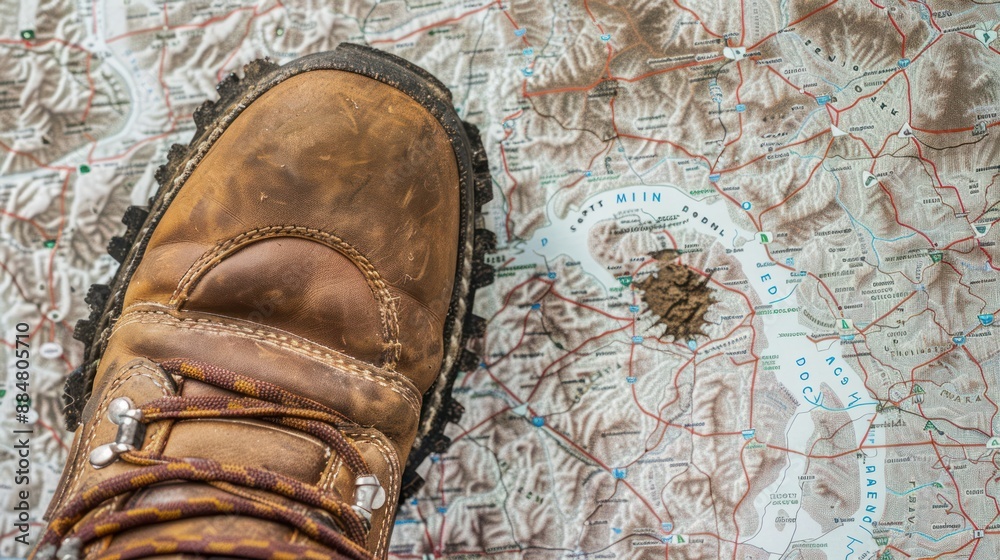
286 323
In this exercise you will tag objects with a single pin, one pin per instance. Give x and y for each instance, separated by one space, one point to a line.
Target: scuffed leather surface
339 153
314 247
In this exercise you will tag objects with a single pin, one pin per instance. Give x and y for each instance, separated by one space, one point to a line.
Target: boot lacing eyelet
130 436
369 495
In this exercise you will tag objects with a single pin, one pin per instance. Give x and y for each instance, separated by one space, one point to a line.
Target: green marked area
49 243
28 34
84 169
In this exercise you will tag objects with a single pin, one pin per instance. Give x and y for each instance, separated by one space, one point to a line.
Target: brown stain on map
678 296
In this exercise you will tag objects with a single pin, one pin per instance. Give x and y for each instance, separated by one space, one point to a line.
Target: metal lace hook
131 433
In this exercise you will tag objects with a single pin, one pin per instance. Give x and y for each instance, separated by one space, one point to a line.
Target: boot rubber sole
212 118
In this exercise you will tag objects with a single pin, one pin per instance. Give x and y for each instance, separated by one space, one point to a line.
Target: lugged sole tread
118 248
97 295
473 326
482 275
134 217
485 242
84 332
468 361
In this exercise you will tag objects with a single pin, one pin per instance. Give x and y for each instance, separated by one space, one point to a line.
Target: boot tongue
245 441
291 436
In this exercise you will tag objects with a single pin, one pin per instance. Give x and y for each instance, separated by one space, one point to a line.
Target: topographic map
746 276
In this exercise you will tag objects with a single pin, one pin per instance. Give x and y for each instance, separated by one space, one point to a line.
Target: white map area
827 167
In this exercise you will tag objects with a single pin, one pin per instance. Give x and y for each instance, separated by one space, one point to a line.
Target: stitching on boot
325 483
406 391
387 305
329 476
392 461
335 464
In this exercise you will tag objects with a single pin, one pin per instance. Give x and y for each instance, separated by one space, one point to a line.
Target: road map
746 271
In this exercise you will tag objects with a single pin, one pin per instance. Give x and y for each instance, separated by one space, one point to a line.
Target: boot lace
345 537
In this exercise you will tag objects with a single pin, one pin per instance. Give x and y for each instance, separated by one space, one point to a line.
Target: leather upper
355 167
313 247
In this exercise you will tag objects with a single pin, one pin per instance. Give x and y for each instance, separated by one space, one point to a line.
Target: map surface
746 275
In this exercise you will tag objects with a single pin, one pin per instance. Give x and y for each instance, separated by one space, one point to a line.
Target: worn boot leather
275 339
